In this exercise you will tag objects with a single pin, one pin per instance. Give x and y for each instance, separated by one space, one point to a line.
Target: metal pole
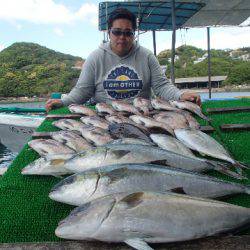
173 42
209 61
154 43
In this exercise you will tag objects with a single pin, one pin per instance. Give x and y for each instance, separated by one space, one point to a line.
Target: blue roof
154 15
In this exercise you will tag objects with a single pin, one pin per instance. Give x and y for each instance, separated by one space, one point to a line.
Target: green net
28 215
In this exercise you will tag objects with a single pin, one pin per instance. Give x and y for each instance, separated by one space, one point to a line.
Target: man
121 69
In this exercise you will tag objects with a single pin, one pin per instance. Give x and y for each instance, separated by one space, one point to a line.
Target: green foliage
223 62
28 69
239 74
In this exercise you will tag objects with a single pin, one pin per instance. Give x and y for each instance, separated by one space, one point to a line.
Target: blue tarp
154 15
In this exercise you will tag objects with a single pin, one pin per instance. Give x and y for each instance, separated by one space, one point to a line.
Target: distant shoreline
239 88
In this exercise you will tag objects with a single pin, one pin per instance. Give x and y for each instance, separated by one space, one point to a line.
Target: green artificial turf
28 215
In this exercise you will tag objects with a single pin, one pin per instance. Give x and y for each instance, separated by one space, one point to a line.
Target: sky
71 27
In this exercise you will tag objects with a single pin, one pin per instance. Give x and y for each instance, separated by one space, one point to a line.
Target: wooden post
173 42
154 43
209 61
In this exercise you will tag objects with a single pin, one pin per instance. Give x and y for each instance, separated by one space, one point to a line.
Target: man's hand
191 96
52 104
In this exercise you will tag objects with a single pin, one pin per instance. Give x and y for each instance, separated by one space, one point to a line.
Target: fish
124 106
81 109
89 185
170 143
105 108
122 119
205 144
68 124
191 120
43 166
143 105
95 121
174 122
134 153
72 140
126 130
151 123
46 147
131 141
159 103
96 135
190 106
149 217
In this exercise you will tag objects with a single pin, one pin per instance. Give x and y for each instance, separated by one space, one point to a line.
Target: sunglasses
118 32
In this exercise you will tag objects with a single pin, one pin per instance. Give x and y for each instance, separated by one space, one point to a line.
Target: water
205 96
6 156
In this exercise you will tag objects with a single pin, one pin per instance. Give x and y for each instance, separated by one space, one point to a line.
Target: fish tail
223 168
240 165
247 189
230 173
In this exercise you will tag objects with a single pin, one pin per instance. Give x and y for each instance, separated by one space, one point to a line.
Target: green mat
28 215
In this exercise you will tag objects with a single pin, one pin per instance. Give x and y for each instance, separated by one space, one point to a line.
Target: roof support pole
173 41
154 43
209 61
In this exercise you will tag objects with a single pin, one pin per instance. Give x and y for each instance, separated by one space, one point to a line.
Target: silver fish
143 105
46 147
159 103
95 121
72 140
131 141
105 108
205 144
96 135
191 120
194 108
43 166
132 153
124 106
68 124
141 217
174 122
127 130
120 119
89 185
170 143
151 123
81 109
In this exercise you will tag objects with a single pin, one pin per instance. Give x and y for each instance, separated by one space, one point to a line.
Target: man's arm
85 86
83 90
160 84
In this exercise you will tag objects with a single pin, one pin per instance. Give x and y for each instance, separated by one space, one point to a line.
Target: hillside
28 69
191 61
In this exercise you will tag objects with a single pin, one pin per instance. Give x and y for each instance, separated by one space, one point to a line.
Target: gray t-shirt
106 76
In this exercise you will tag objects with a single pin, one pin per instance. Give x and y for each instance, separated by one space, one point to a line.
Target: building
199 82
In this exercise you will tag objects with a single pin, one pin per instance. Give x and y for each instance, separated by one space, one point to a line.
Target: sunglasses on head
118 32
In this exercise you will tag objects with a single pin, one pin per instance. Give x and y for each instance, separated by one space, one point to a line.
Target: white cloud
2 47
58 32
227 37
220 38
45 11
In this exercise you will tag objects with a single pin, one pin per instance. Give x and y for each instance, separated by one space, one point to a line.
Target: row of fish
124 198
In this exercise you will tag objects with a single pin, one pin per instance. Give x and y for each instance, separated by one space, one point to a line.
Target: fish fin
132 200
120 153
138 244
178 190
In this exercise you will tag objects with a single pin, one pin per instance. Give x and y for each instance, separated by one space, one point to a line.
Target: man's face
121 42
